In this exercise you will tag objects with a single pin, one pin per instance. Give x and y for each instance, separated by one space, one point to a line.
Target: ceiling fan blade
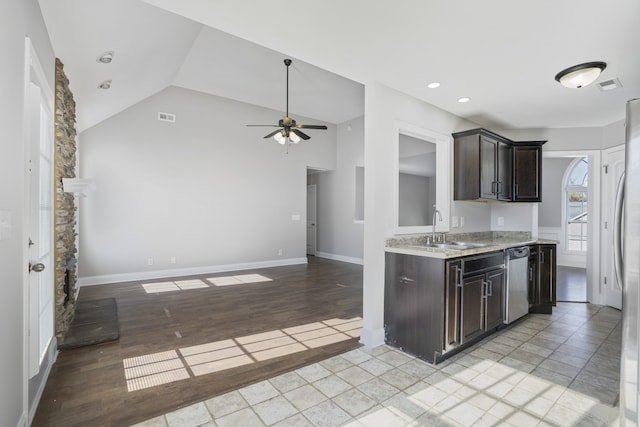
271 126
311 127
300 134
273 133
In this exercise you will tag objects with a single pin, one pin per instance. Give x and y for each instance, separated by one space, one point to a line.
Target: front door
40 300
612 172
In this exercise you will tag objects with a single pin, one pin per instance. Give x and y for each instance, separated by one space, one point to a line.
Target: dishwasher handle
521 252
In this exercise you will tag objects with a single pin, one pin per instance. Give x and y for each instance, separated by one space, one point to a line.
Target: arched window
576 189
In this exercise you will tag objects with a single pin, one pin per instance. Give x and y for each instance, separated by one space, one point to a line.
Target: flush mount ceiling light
580 75
433 85
106 57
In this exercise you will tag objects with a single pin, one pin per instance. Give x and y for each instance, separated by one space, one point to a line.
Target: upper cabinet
488 166
527 166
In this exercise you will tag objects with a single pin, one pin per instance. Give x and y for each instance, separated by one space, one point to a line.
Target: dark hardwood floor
571 284
87 386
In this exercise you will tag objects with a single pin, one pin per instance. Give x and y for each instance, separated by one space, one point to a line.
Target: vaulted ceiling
503 54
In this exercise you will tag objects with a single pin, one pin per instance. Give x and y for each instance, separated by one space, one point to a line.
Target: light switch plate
295 217
454 221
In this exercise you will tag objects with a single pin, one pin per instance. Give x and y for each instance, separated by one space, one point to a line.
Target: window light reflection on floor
182 285
164 367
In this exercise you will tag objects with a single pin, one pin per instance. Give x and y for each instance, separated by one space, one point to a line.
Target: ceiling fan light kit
289 131
580 75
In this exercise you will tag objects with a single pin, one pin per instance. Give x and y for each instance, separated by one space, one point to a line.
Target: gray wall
206 189
19 18
550 210
415 200
339 235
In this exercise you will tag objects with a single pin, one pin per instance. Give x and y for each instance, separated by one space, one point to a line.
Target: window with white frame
576 202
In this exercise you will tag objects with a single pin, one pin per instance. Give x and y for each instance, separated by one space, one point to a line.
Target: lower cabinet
542 278
434 306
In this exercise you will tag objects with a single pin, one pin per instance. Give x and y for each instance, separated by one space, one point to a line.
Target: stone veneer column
65 208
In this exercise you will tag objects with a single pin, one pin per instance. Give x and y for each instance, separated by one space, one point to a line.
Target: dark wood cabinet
527 171
493 299
472 311
488 166
486 160
542 273
414 304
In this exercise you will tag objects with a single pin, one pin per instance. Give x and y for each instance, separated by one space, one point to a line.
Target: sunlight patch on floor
160 368
179 285
238 280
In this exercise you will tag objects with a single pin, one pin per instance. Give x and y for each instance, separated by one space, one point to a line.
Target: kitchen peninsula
442 298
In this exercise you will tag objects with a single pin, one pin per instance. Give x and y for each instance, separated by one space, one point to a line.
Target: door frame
595 293
33 72
607 227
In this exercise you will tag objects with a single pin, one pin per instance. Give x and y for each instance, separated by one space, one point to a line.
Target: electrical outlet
173 260
500 220
149 261
454 221
461 221
279 251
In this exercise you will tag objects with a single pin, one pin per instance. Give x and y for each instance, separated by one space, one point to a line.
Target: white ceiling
503 54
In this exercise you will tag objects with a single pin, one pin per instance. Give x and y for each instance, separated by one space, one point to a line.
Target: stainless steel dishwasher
516 300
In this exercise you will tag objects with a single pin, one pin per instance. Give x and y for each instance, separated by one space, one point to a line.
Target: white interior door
614 162
40 299
311 219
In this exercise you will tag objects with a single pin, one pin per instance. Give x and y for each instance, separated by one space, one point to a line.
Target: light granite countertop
495 241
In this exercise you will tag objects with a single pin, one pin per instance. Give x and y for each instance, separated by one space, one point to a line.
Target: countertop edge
445 254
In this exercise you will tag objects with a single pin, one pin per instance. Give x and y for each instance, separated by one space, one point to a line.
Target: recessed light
106 57
464 99
105 85
433 85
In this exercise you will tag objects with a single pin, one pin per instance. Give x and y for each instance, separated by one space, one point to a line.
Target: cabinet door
452 312
494 302
533 276
527 162
504 186
471 308
488 167
547 273
401 300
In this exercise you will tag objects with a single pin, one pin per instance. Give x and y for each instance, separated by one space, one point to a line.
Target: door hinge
606 168
606 225
31 242
605 280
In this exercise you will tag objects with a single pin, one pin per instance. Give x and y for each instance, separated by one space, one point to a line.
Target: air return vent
166 117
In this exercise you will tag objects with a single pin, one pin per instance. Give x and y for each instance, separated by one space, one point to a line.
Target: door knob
38 267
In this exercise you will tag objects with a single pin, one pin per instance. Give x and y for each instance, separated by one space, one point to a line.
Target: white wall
19 18
383 106
206 189
339 235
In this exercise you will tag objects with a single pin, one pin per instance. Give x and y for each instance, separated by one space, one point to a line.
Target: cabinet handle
530 273
405 279
485 290
541 257
459 273
494 187
515 189
489 288
499 187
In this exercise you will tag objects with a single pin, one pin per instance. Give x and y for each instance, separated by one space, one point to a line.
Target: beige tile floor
546 370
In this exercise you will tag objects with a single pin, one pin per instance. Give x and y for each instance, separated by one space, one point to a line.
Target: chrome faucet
435 212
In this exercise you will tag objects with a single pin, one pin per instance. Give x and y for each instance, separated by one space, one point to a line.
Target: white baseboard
52 356
372 338
181 272
343 258
22 422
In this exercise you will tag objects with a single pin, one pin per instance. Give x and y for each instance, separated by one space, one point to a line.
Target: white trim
594 293
190 271
22 422
372 338
342 258
52 356
443 173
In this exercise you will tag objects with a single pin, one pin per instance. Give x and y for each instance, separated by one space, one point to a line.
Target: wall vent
608 85
166 117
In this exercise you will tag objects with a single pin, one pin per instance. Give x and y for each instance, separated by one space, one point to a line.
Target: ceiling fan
289 130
